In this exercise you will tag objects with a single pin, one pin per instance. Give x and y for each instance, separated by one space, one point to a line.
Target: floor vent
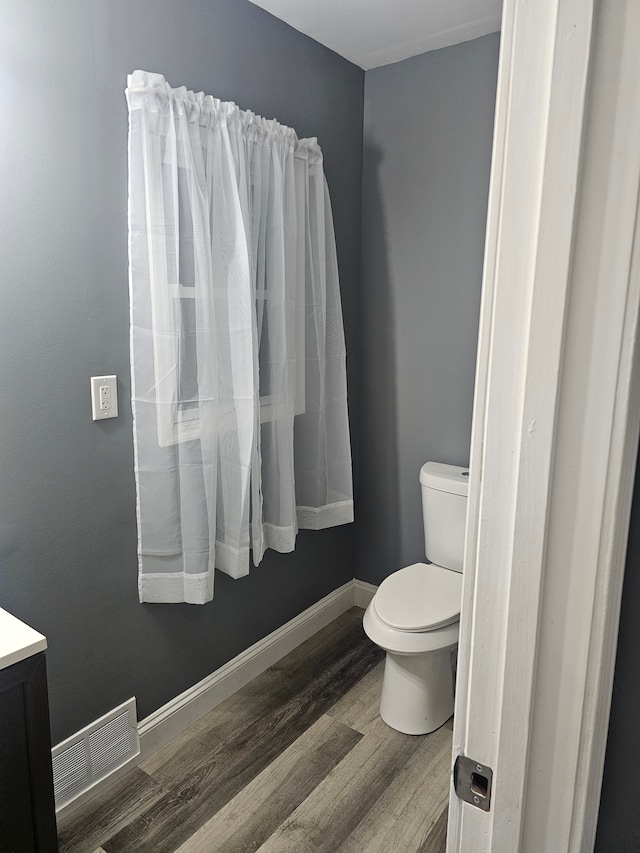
93 753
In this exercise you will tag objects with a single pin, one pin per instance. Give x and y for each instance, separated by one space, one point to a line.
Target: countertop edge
18 641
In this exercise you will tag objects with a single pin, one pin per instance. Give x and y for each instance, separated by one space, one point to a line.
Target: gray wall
67 500
427 152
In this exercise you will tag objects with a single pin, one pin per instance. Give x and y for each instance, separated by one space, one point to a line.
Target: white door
555 431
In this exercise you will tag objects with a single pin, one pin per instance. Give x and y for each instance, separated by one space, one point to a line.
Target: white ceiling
376 32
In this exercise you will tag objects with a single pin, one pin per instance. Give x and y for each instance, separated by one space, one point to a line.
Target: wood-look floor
298 760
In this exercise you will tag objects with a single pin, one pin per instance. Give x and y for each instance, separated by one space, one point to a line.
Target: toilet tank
444 512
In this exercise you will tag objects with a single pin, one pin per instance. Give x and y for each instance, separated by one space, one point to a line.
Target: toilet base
417 691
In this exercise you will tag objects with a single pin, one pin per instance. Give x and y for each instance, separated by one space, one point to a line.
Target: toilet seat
420 598
408 642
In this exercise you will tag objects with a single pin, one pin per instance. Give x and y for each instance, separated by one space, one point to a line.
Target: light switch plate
104 397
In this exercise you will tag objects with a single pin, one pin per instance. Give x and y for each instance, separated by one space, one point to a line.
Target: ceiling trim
371 33
431 41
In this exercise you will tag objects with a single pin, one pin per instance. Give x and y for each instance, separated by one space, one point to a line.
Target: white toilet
414 615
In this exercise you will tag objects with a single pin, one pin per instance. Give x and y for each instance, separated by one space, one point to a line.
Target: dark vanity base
27 810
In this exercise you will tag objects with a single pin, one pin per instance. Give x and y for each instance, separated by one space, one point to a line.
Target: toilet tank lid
445 478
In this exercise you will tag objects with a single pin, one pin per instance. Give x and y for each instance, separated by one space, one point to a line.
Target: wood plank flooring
298 760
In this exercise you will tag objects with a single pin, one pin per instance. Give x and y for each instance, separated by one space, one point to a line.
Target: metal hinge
472 782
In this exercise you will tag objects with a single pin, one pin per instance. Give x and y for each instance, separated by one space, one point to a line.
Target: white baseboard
172 719
363 592
167 722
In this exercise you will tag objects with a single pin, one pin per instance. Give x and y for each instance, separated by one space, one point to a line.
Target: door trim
555 430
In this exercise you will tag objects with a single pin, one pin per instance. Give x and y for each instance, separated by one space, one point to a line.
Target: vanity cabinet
27 811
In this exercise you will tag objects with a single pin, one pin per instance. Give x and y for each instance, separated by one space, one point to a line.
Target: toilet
415 613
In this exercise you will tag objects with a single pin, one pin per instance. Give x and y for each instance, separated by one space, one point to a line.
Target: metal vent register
93 753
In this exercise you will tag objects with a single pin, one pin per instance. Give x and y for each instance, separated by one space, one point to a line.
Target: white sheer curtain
237 345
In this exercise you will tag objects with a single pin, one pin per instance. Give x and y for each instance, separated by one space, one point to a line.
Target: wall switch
104 397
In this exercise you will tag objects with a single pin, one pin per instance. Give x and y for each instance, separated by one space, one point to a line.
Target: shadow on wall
378 426
619 818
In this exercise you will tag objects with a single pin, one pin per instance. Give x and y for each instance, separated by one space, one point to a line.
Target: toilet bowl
418 634
414 615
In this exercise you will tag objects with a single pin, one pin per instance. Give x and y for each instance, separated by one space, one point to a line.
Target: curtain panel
238 372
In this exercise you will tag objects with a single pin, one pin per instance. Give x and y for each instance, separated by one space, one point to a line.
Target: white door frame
555 430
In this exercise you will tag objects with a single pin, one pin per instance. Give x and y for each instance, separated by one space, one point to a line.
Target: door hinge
472 782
